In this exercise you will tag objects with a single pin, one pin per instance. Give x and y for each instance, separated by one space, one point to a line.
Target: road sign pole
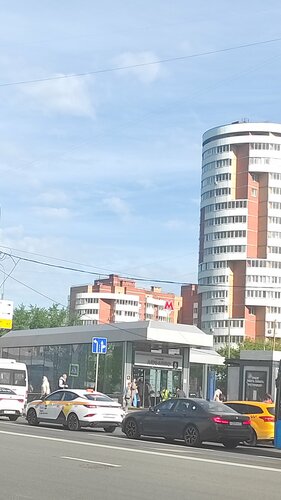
97 372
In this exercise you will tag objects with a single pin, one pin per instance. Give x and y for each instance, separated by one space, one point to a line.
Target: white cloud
53 212
16 237
53 196
117 206
146 74
70 96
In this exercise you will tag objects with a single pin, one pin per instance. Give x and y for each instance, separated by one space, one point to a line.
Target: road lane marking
145 452
91 461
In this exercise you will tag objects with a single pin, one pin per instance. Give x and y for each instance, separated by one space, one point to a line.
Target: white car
11 405
75 408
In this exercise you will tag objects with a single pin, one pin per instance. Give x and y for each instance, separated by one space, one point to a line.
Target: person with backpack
62 382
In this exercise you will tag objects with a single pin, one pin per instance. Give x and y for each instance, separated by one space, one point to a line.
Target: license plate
235 423
6 412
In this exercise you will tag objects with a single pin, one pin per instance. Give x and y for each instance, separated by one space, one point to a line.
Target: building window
254 192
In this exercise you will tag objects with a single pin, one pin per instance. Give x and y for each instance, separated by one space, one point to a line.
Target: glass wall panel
110 370
196 380
33 357
11 353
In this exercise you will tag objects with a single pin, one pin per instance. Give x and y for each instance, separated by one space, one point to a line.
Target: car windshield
271 410
99 397
4 390
216 407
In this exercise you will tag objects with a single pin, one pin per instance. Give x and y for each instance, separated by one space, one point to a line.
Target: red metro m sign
169 306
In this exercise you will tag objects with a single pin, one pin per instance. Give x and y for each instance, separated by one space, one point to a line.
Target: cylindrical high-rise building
240 232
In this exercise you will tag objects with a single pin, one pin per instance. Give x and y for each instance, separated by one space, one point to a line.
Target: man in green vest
165 394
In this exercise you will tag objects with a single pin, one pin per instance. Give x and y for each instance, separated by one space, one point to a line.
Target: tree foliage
31 317
248 345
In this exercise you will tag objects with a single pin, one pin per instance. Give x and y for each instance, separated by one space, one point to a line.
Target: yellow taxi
262 416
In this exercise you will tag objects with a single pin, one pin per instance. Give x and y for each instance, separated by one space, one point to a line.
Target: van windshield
12 377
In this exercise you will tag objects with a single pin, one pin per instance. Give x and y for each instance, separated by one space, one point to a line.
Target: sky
104 170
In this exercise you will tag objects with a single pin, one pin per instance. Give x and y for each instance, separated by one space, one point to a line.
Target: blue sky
104 170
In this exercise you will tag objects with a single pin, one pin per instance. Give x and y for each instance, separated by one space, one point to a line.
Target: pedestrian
267 398
148 392
134 392
139 384
45 387
218 395
62 382
165 394
128 395
180 393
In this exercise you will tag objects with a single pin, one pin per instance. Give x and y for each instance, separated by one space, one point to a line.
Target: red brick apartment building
115 299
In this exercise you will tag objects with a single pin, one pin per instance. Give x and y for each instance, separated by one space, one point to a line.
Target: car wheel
32 417
73 423
13 418
253 439
191 436
230 445
109 429
131 429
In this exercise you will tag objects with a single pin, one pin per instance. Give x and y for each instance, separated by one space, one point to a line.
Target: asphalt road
49 463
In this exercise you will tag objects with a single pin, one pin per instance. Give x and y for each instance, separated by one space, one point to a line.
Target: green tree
248 345
31 317
221 371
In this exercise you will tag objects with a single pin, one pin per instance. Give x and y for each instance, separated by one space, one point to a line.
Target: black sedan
192 420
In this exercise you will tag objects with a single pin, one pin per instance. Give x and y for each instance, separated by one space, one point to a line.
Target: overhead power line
83 271
113 325
134 278
140 65
35 291
103 270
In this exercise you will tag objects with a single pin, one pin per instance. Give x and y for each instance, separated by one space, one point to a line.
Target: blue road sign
99 345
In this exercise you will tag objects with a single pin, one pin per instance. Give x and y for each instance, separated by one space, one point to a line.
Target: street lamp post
274 334
3 281
228 337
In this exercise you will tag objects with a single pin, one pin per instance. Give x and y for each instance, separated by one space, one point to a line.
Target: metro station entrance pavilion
162 355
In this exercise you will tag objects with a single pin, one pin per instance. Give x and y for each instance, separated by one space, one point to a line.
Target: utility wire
113 325
152 280
6 276
140 65
108 271
74 269
36 291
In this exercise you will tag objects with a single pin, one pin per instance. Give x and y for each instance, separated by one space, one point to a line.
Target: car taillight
247 422
20 400
220 420
89 415
267 419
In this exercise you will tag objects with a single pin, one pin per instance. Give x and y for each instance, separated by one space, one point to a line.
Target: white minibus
13 375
